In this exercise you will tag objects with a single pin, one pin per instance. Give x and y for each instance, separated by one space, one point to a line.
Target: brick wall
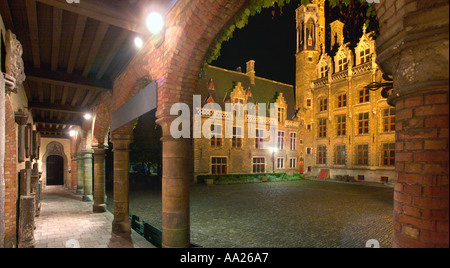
421 198
10 175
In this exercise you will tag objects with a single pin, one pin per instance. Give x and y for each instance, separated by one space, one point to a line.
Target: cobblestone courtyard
279 214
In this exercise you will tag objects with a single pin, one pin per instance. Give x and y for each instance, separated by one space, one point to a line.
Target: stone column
87 178
80 174
121 148
413 48
99 179
73 173
177 172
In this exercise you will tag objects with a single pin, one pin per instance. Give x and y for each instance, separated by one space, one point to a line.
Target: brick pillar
413 48
80 173
121 147
177 172
99 179
87 175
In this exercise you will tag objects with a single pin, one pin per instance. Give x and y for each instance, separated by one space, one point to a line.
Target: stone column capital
412 47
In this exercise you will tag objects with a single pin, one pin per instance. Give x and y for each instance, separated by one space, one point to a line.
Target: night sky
271 43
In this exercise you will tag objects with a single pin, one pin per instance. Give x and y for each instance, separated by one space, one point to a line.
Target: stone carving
14 62
55 149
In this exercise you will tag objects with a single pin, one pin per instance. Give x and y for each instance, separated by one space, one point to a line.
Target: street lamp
274 150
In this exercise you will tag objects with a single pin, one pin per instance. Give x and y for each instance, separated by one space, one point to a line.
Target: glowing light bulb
72 133
87 116
155 22
138 42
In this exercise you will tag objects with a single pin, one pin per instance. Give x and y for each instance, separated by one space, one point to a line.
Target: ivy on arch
256 6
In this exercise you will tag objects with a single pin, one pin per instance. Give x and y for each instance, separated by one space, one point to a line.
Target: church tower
310 45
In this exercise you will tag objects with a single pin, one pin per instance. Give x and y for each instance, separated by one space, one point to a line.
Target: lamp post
274 150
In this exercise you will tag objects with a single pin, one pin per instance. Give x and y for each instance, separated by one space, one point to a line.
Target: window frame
236 141
214 166
258 167
322 128
341 100
364 95
321 155
363 123
340 155
341 125
363 158
388 120
293 141
388 155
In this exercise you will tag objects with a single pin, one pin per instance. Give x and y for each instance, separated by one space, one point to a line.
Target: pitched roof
261 92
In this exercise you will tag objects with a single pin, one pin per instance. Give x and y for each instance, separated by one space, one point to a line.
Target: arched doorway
58 166
55 170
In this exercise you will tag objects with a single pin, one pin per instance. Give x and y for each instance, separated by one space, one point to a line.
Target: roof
261 92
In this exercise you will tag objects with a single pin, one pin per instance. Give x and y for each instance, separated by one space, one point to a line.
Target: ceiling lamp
155 22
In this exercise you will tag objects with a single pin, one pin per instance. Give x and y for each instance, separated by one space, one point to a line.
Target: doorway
55 170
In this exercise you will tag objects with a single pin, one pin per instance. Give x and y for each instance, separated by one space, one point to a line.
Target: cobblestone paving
279 214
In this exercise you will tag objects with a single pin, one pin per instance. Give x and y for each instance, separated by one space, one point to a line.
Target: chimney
251 71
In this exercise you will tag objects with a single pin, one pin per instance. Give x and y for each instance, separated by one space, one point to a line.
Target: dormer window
365 56
343 64
323 71
281 114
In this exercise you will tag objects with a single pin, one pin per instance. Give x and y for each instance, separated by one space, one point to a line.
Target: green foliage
248 178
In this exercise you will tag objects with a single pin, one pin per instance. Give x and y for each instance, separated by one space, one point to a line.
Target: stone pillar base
121 228
99 208
88 198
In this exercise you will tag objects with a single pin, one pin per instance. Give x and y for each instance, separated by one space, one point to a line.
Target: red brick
436 98
436 144
434 237
413 102
428 156
437 109
407 242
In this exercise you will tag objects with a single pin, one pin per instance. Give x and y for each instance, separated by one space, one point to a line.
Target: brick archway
421 194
